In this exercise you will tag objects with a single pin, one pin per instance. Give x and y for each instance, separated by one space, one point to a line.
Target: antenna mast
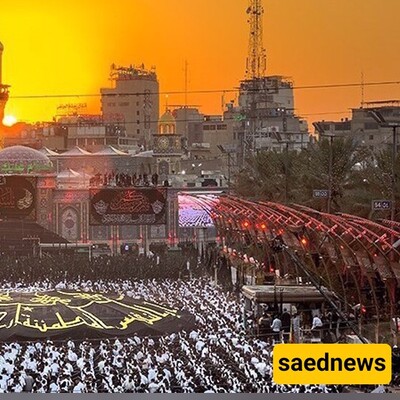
254 84
362 89
256 58
186 99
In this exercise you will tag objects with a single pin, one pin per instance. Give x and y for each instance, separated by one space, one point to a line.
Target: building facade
167 146
59 199
364 129
268 122
133 101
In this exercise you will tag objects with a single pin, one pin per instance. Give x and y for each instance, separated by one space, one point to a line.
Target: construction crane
256 58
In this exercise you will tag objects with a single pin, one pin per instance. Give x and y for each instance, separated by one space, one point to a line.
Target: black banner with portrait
62 314
18 197
133 206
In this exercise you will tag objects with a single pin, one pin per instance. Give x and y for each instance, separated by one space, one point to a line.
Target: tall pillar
1 62
3 96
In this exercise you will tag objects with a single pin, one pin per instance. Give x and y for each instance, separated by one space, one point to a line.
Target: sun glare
9 120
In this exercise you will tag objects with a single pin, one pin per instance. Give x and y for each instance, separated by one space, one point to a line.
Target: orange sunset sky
67 47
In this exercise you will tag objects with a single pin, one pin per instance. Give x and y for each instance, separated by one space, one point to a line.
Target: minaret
3 89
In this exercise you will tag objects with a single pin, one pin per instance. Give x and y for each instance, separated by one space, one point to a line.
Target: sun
9 120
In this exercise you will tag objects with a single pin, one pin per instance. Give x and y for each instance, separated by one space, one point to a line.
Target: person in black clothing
285 318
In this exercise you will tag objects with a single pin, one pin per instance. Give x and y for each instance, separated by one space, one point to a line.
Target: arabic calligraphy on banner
51 313
18 197
120 206
24 167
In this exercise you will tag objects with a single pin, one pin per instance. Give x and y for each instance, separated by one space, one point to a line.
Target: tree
373 181
271 176
291 177
330 160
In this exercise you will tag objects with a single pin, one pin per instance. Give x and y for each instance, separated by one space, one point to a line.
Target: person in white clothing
276 327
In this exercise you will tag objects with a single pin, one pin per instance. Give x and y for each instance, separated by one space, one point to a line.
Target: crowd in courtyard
216 356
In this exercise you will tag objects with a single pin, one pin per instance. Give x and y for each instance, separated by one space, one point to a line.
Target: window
342 126
371 125
138 121
221 127
138 131
371 137
138 112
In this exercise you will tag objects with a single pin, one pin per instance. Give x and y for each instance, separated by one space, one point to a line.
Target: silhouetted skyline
68 47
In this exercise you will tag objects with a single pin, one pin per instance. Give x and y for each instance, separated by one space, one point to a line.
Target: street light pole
227 152
229 172
394 155
378 117
286 173
321 131
330 167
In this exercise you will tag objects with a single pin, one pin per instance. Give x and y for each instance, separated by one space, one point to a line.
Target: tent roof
111 151
48 152
76 151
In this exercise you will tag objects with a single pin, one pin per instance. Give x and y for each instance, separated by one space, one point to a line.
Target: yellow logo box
332 364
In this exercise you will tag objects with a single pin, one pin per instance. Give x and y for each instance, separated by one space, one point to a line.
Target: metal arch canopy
341 250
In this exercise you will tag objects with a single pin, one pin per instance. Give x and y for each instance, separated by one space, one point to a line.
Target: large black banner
17 197
134 206
76 314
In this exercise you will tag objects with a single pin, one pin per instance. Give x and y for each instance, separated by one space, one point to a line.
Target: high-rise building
134 101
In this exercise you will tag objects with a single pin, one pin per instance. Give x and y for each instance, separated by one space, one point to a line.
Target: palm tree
373 181
272 176
330 160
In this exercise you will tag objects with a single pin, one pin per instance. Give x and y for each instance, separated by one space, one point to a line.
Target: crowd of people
54 268
121 179
215 357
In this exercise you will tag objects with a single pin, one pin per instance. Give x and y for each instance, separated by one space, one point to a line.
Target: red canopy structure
355 257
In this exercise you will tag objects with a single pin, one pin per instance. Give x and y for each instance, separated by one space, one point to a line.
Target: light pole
321 132
227 152
378 117
330 166
286 166
286 172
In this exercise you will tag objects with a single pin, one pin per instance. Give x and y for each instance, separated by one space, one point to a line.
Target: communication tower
256 58
254 84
